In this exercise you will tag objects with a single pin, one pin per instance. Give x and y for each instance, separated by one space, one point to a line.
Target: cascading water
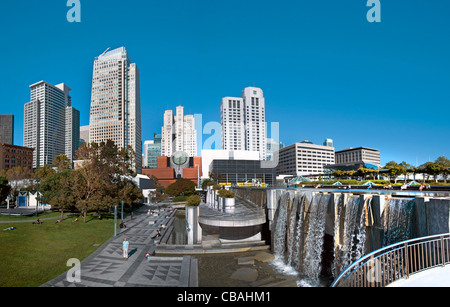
396 220
349 233
315 237
299 233
306 226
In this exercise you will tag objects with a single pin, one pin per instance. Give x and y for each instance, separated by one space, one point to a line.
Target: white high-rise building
243 122
116 102
178 133
51 124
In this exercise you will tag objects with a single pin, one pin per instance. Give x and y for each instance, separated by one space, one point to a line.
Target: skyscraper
51 124
7 129
243 122
116 101
178 133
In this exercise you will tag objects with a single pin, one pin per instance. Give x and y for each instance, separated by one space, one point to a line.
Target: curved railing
386 265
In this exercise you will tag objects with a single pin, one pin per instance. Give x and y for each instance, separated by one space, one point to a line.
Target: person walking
125 246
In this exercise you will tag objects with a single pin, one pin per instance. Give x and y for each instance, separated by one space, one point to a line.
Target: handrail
396 261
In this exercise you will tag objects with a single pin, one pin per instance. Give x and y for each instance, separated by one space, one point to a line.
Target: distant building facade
115 112
243 122
305 158
7 129
180 165
12 156
236 172
358 154
152 150
178 133
51 124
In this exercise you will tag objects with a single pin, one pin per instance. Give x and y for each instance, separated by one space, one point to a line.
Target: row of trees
104 180
440 167
392 169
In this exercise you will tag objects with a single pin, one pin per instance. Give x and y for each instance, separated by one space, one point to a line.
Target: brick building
13 155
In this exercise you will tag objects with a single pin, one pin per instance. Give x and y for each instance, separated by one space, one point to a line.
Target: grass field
31 254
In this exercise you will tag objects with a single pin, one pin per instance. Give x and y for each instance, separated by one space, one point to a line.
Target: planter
229 205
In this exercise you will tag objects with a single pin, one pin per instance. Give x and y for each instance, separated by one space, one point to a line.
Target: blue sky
325 70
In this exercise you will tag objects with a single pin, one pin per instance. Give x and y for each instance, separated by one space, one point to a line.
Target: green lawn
31 254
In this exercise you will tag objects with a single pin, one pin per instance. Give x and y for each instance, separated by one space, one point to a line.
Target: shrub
179 198
217 187
207 183
193 200
226 194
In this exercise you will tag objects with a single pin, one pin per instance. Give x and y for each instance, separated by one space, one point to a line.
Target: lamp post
115 220
37 202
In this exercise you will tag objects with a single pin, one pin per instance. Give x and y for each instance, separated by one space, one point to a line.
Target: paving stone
246 261
245 274
264 256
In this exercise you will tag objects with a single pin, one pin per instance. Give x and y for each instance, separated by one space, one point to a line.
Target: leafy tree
5 189
433 169
394 170
185 186
445 163
56 191
103 181
61 162
43 172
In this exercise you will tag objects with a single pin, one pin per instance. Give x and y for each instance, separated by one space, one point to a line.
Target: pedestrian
125 246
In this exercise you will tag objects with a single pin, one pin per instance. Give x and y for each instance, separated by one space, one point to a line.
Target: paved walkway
436 277
107 268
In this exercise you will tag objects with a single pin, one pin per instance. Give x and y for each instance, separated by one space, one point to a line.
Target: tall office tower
178 133
72 132
116 102
233 123
45 127
7 129
243 122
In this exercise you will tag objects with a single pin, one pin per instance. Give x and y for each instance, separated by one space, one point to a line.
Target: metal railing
386 265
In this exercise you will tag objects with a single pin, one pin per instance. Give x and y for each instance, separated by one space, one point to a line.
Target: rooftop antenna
105 51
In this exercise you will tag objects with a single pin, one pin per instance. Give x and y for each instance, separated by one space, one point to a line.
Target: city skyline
325 70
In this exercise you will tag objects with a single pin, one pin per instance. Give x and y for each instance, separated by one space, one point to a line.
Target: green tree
433 169
445 163
61 162
5 189
181 186
56 191
104 179
394 170
43 172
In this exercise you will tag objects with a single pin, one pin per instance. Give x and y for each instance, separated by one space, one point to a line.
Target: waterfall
397 219
299 232
315 237
280 225
350 233
300 225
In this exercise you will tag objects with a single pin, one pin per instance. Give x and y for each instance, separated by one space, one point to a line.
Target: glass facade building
152 150
242 171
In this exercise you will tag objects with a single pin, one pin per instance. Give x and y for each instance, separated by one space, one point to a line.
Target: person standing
125 246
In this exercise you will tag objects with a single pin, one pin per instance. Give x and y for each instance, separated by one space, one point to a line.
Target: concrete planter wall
193 229
229 204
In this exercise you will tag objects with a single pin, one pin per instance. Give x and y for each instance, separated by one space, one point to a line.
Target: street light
38 182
